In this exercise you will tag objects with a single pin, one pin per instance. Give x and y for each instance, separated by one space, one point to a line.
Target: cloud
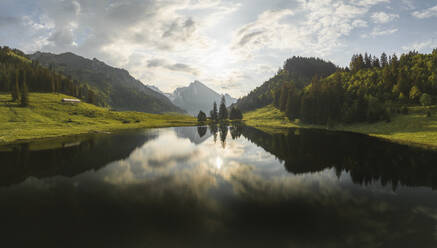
378 31
169 43
154 63
382 17
369 3
261 32
427 13
419 46
320 30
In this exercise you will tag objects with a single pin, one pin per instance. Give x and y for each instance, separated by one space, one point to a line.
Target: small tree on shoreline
213 113
201 117
223 112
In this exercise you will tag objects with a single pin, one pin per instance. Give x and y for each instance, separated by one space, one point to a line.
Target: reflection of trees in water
213 129
223 128
94 153
236 129
367 159
201 130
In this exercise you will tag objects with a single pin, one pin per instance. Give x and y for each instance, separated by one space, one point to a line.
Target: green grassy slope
414 128
48 117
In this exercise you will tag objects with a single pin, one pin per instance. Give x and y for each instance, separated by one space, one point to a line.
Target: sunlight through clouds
222 43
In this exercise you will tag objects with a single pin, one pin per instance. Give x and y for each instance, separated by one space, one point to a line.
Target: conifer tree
15 88
24 92
384 60
214 114
223 112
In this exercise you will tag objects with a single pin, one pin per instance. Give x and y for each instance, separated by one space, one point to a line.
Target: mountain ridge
120 90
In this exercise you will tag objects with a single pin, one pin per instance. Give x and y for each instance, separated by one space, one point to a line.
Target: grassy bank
414 128
48 117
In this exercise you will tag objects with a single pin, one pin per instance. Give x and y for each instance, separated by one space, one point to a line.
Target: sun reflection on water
218 163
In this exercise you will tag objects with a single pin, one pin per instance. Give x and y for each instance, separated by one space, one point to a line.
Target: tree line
18 75
371 89
222 114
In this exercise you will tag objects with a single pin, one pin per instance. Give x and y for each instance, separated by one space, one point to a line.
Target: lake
218 186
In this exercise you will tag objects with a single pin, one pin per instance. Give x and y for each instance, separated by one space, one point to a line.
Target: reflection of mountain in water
94 153
366 158
195 135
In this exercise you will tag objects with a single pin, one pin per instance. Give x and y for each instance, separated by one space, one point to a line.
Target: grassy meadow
414 128
47 117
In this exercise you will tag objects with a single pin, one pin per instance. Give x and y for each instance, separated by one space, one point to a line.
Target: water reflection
367 159
175 191
19 162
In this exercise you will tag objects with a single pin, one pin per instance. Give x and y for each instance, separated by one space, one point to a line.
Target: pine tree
223 112
24 92
384 60
15 88
214 114
367 60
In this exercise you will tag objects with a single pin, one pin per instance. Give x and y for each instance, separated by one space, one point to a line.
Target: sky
231 46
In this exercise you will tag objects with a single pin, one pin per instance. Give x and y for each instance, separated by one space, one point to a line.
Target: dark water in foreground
219 187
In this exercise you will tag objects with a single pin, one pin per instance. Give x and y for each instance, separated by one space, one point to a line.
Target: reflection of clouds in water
200 166
239 189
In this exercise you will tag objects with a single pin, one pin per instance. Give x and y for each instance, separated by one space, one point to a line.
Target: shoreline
414 129
281 129
47 117
75 135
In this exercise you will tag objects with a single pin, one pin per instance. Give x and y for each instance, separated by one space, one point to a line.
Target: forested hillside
371 90
17 73
119 89
298 70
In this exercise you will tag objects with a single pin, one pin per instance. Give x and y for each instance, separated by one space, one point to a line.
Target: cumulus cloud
382 17
320 31
426 13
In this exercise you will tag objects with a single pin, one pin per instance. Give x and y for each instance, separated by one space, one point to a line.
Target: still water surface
219 187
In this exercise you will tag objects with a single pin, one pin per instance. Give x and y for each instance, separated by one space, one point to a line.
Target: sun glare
218 163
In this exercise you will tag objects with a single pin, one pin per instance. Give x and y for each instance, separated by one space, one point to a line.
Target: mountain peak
196 82
198 96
